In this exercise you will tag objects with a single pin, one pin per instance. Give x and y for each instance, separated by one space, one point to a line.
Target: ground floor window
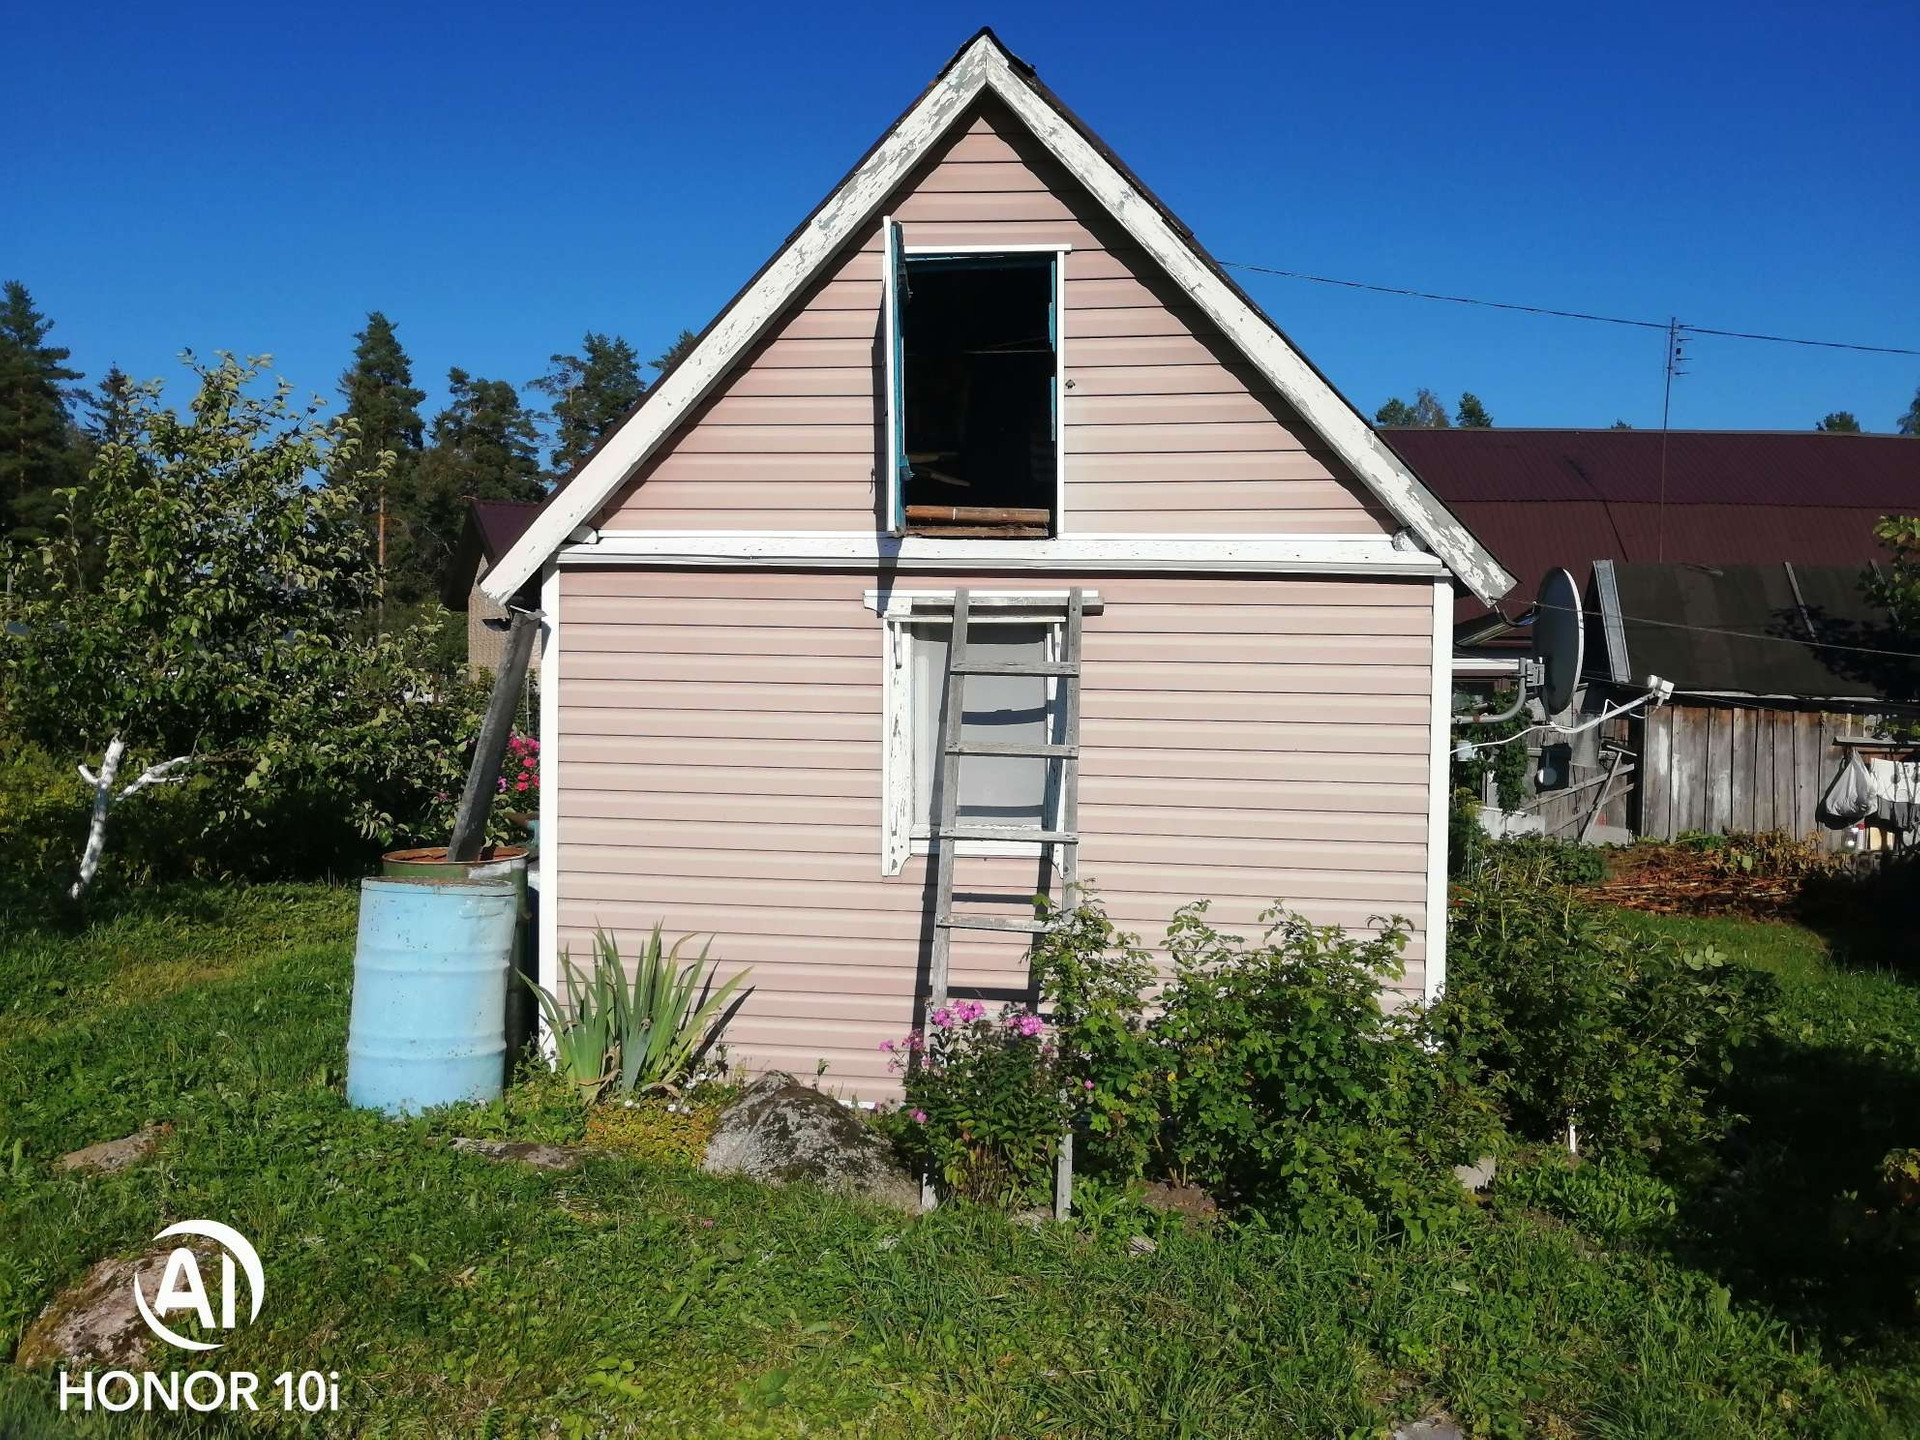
995 790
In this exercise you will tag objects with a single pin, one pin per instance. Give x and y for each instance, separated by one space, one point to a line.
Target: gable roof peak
984 65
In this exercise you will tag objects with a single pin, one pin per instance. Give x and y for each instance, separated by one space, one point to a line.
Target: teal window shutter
893 304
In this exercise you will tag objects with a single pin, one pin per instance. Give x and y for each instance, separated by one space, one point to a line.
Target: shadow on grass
1797 1219
1869 918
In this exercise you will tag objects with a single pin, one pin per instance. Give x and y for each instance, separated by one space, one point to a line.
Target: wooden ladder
1062 845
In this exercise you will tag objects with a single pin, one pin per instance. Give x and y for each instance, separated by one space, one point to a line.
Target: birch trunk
104 800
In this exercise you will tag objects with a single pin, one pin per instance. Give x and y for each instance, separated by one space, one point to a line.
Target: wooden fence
1738 768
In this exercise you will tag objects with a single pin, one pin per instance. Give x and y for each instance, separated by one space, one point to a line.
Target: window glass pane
994 789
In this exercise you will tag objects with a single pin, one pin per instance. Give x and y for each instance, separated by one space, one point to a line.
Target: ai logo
183 1288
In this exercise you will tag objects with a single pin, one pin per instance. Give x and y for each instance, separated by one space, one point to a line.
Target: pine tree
381 398
683 342
1840 422
1472 415
1909 423
485 446
592 392
39 450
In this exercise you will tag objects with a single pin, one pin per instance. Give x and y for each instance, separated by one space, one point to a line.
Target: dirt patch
1753 877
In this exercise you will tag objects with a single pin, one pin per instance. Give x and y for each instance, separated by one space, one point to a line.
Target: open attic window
975 409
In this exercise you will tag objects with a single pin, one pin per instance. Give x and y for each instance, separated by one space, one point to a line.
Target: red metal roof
1540 498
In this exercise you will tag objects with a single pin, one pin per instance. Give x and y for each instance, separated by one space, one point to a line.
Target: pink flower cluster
520 770
1024 1023
963 1013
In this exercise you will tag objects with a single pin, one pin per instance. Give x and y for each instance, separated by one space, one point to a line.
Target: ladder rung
991 922
1015 667
1007 832
1012 747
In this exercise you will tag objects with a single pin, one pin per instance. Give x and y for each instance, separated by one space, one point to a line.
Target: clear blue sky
499 179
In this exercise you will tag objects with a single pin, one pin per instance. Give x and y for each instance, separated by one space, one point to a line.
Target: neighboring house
1766 700
489 532
990 359
1676 539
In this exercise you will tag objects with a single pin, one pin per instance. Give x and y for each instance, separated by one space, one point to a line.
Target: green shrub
1292 1091
43 825
1569 1015
986 1103
1093 981
1564 862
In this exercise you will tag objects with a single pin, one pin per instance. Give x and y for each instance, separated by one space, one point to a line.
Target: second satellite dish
1559 640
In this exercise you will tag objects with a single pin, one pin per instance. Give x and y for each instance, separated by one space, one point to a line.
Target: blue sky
500 178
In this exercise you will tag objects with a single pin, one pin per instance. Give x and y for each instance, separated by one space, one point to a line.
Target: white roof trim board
985 66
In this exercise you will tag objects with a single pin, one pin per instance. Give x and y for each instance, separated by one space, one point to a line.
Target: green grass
461 1298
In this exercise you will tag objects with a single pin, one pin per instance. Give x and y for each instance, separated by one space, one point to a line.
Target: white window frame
899 612
890 268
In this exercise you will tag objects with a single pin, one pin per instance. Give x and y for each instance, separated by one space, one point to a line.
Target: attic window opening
977 359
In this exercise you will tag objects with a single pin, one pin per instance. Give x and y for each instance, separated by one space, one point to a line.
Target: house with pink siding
989 361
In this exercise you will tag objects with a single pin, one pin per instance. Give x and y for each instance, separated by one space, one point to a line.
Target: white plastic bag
1853 795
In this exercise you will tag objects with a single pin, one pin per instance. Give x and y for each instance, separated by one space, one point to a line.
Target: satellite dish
1559 640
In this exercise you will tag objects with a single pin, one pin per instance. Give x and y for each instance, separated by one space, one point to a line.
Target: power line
1568 314
1738 634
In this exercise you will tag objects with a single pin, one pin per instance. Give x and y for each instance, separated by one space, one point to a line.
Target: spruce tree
1909 423
381 399
110 406
1839 422
40 450
592 392
485 446
1472 415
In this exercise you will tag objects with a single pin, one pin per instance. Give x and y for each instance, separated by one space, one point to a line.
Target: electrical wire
1568 314
1548 725
1741 634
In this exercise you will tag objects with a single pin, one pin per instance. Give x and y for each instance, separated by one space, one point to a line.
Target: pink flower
919 1117
943 1017
887 1046
520 785
969 1011
1025 1024
1086 1084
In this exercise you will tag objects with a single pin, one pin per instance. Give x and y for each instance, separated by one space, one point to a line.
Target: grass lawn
457 1298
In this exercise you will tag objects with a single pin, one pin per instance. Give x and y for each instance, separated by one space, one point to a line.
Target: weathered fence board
1738 768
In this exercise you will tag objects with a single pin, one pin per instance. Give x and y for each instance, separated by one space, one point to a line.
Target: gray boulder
111 1156
94 1321
780 1131
522 1152
1477 1176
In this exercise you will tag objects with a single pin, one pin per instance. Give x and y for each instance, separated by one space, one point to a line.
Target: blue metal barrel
429 993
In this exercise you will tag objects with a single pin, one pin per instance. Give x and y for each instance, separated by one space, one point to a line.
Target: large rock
93 1321
780 1131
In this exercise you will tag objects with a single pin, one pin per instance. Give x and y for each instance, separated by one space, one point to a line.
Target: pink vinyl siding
720 742
1164 432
